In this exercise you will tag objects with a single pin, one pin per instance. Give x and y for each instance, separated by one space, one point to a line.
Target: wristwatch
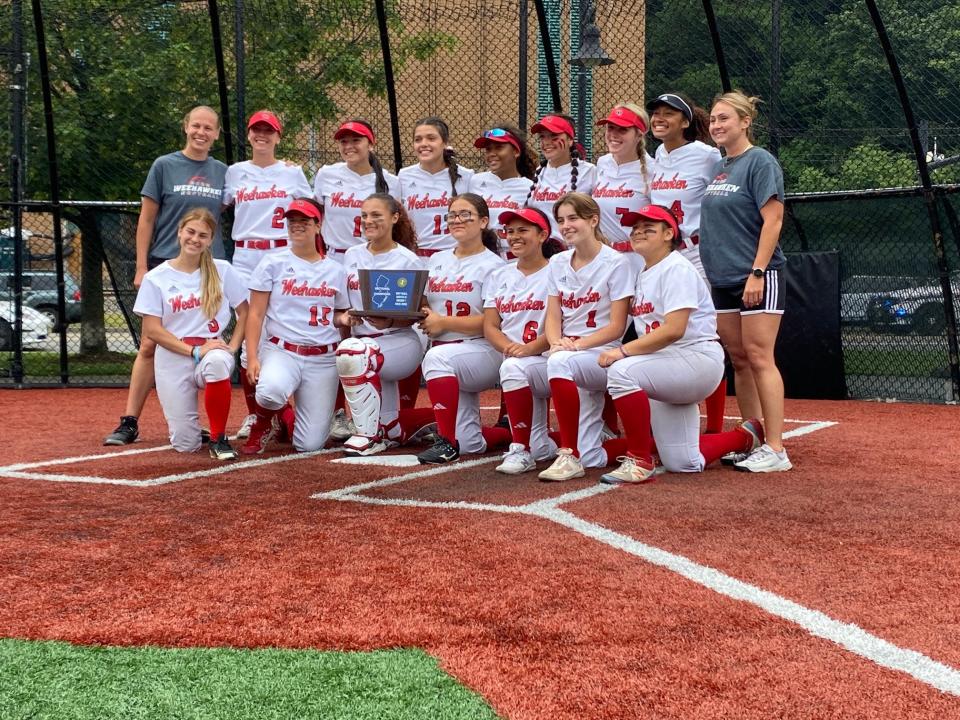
758 272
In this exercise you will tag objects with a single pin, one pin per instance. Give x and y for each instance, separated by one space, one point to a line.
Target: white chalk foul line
809 428
394 479
82 458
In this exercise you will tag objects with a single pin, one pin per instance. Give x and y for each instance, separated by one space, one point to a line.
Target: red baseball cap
265 116
554 124
354 128
624 117
305 208
651 212
497 135
527 215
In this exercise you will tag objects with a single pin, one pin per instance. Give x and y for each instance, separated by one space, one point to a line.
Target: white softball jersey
259 197
176 298
679 180
341 191
674 284
501 195
587 294
521 301
303 297
458 287
360 258
554 182
426 197
619 189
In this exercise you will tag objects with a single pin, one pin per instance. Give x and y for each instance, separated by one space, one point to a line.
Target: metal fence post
391 86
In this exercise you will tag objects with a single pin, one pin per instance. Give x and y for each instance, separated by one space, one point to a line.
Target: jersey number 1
324 316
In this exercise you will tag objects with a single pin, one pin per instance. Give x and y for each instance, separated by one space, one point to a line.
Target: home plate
386 460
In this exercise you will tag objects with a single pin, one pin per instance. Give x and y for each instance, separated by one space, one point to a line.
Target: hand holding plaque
391 293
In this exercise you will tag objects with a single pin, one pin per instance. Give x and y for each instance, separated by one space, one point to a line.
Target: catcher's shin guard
358 365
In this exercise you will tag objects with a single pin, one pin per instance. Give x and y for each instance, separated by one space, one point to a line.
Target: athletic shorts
153 261
730 299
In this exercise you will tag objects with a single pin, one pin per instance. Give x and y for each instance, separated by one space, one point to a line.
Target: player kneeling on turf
185 304
676 361
298 301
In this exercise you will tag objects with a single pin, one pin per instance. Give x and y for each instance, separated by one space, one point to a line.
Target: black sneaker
127 432
220 449
204 436
443 451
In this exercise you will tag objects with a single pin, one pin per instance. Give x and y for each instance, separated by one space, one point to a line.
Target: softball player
427 188
623 179
562 170
382 351
590 290
675 362
514 315
260 190
461 362
185 305
740 247
342 187
507 183
684 168
298 299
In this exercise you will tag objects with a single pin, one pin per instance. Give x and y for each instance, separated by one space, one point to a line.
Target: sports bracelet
195 354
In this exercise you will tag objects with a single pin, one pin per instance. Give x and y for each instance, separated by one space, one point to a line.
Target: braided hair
574 162
449 155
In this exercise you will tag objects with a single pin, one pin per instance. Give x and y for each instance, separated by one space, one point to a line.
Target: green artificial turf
53 680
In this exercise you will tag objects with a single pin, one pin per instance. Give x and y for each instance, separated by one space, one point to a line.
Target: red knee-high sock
249 392
409 389
445 396
412 419
610 413
519 404
614 448
566 403
503 407
216 400
341 401
715 445
496 438
716 403
634 411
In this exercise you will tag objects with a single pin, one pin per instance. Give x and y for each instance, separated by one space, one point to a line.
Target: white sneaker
566 467
516 460
765 459
733 458
244 432
607 433
342 427
630 471
359 445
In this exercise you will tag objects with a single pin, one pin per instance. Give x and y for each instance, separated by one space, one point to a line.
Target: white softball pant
531 372
178 381
476 365
582 368
402 353
675 379
312 380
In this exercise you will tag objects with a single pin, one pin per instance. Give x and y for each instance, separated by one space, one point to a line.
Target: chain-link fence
122 74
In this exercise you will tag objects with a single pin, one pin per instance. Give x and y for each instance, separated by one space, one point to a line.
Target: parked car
36 327
857 291
40 293
918 309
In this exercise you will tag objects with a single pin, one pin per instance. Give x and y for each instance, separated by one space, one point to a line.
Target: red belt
302 349
196 341
260 244
427 252
435 343
339 250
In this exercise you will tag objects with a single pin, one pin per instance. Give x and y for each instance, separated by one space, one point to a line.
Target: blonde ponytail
211 289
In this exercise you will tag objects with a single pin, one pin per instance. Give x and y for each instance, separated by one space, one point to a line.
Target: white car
36 327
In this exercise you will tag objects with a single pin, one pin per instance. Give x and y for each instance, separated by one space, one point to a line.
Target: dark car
40 293
918 309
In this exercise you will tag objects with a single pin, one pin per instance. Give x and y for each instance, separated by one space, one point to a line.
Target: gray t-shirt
178 184
730 219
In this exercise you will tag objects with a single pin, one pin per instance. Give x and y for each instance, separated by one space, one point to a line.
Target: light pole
589 55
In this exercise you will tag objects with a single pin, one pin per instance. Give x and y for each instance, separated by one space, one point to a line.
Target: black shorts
730 299
153 261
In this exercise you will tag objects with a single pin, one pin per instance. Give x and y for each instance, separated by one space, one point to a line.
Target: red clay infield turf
541 620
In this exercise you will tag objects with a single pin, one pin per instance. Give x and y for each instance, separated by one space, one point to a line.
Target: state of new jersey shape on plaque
391 293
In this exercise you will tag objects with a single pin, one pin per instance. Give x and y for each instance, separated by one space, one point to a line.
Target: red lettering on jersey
440 285
592 296
514 305
353 282
244 195
337 199
551 195
178 304
289 287
641 309
506 202
623 246
605 191
414 202
673 183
